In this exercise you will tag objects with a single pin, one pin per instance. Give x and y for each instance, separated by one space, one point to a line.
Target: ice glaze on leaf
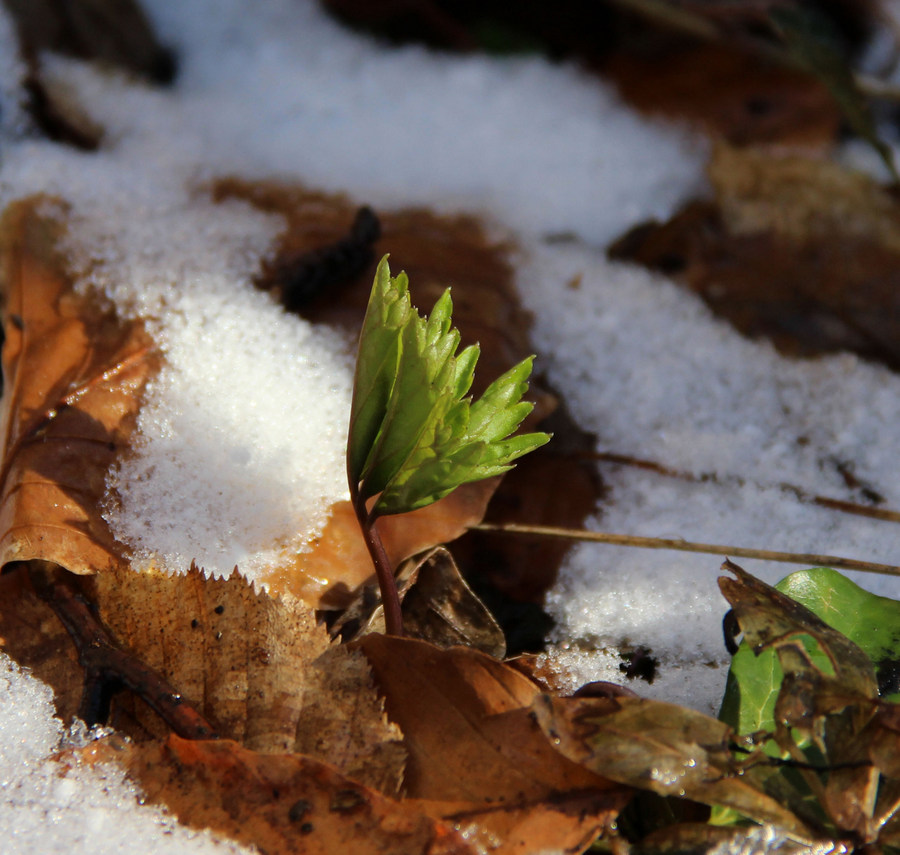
414 435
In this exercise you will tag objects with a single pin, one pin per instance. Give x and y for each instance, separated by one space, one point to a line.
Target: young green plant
415 433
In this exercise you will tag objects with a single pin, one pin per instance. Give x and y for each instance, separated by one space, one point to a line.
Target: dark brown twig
107 667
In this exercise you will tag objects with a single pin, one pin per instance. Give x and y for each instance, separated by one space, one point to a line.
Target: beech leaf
414 435
476 754
74 374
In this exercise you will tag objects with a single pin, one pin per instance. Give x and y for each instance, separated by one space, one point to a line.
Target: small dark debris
888 674
306 828
195 623
299 809
219 610
639 663
308 276
759 106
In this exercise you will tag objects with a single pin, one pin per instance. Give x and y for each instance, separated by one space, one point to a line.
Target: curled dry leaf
283 804
476 755
437 604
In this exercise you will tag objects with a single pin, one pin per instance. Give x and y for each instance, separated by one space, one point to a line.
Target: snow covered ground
535 149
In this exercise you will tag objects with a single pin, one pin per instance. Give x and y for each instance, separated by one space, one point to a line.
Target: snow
46 807
233 466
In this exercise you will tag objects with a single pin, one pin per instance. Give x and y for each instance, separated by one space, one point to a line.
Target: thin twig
107 667
842 505
810 559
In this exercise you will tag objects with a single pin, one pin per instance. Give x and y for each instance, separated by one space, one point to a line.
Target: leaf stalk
384 572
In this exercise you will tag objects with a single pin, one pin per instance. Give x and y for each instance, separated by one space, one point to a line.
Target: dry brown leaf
437 604
802 198
476 754
257 666
800 251
727 92
73 379
259 669
283 804
339 562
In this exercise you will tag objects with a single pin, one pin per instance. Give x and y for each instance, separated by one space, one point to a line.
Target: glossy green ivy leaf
415 434
869 621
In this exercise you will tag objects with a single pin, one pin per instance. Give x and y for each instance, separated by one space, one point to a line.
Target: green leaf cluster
415 434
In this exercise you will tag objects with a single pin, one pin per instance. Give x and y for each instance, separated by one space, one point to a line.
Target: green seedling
415 432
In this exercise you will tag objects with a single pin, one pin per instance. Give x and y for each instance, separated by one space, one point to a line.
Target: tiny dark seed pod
313 274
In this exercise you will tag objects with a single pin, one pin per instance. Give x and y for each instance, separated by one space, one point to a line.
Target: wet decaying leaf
870 621
281 803
476 754
801 251
671 750
823 773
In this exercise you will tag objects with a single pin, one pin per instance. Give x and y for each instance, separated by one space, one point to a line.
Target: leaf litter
884 718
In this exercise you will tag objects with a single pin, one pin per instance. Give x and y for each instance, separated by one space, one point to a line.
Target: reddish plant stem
390 598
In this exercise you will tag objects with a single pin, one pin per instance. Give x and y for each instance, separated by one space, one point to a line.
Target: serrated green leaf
376 364
414 435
